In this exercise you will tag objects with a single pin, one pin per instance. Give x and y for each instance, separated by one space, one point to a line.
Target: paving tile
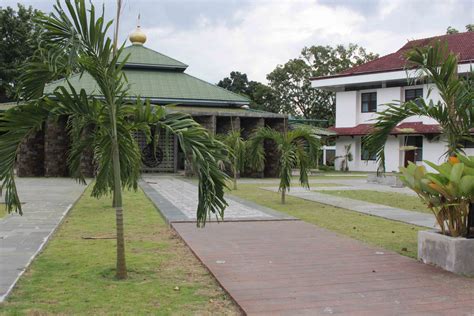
295 268
177 201
392 213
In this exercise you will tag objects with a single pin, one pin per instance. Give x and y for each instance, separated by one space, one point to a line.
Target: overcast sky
215 37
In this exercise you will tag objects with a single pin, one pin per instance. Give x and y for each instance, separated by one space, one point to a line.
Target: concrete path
289 267
341 184
177 198
388 212
295 268
46 202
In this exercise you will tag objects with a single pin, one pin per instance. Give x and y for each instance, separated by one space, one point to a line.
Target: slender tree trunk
121 270
283 196
235 176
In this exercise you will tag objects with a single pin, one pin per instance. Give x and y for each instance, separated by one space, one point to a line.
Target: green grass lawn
3 211
76 276
395 236
399 200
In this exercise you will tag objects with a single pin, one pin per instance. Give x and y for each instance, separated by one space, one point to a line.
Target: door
409 156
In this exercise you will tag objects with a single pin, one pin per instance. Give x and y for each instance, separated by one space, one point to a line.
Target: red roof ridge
462 44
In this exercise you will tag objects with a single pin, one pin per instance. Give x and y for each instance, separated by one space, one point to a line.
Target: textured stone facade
208 122
56 144
30 161
45 152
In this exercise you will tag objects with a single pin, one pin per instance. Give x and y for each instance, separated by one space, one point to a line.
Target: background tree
19 39
291 81
262 97
296 149
76 38
454 112
452 30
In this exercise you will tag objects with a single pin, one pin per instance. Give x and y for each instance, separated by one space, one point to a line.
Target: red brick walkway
292 267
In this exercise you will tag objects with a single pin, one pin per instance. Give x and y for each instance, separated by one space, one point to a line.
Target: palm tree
236 153
296 148
346 158
74 40
454 112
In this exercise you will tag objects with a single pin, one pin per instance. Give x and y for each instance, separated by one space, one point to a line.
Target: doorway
415 153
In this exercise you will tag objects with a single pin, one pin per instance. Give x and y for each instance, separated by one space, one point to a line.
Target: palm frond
16 124
203 152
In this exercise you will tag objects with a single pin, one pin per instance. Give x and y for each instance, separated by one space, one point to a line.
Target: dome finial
137 37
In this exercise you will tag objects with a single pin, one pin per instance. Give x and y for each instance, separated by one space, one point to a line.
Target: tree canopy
19 36
292 85
452 30
289 87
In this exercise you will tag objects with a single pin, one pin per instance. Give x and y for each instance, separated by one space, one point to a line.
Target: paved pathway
392 213
341 184
177 200
289 267
295 268
47 201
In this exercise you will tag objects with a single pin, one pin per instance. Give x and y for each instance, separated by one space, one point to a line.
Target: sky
215 37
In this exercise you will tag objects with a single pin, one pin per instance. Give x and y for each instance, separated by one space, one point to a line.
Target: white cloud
269 33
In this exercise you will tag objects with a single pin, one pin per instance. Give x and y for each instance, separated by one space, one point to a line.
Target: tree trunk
235 178
283 196
121 269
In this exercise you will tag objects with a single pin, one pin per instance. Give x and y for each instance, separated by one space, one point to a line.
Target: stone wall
208 122
56 145
30 160
225 124
87 158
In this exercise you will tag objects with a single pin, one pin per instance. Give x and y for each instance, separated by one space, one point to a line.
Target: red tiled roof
404 128
461 44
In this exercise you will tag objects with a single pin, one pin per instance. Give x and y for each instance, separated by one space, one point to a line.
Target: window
413 94
369 102
364 153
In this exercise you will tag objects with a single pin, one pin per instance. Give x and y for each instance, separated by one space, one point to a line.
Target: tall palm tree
237 153
454 112
296 148
74 40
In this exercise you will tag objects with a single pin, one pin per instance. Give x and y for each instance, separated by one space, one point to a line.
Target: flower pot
449 253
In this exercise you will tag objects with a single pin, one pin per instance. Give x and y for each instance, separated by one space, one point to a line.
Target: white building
362 91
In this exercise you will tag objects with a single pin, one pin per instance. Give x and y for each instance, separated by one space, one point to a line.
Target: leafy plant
296 148
236 153
454 112
76 39
346 158
448 193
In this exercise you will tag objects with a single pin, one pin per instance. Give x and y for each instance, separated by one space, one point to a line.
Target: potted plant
449 193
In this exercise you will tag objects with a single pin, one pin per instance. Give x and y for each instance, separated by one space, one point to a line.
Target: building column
56 145
30 159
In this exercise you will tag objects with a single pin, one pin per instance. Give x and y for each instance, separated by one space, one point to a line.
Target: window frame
413 88
363 150
368 105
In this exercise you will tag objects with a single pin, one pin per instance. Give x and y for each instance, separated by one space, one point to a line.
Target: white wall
428 95
348 104
346 109
393 156
340 151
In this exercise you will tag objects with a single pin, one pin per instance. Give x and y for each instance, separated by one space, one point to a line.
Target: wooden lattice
165 156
